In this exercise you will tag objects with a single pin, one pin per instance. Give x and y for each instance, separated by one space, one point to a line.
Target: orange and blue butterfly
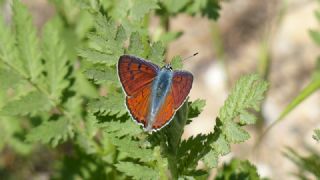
153 94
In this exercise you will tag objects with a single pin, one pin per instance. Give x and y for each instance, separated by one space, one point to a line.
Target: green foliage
206 8
30 103
307 165
27 42
56 60
137 171
238 169
51 132
38 78
316 135
46 97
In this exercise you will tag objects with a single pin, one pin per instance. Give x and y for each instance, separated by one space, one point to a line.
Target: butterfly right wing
181 86
135 73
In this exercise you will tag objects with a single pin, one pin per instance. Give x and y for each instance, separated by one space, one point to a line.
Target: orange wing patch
135 73
139 105
165 113
181 86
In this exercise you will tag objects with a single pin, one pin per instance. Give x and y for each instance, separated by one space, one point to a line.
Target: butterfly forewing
135 73
181 86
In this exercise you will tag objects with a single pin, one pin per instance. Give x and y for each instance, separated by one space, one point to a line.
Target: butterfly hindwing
165 113
139 104
135 73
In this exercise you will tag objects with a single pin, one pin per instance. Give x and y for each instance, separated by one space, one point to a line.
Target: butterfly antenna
183 60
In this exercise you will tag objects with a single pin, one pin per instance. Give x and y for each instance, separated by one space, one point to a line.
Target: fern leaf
9 79
316 135
30 103
195 108
211 159
137 171
234 133
101 75
247 94
120 129
95 56
175 6
131 148
55 60
221 145
27 41
176 62
142 7
113 104
238 169
8 50
107 43
138 46
51 132
190 151
247 118
157 53
315 35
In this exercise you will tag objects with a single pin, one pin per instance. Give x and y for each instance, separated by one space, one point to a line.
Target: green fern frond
247 94
238 169
234 133
30 103
195 108
8 49
51 132
131 148
102 75
137 171
316 135
190 151
138 45
9 79
120 129
176 62
112 104
107 43
56 61
157 53
141 7
27 41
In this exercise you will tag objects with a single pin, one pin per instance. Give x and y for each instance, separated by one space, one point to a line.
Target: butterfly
153 94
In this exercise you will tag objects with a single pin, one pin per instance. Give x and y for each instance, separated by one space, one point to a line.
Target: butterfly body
153 94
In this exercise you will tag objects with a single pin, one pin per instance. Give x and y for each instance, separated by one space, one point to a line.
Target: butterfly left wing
181 86
135 73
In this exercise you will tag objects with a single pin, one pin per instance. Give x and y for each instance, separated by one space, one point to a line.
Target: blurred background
268 37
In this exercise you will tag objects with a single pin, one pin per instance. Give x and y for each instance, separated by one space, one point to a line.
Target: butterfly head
167 67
